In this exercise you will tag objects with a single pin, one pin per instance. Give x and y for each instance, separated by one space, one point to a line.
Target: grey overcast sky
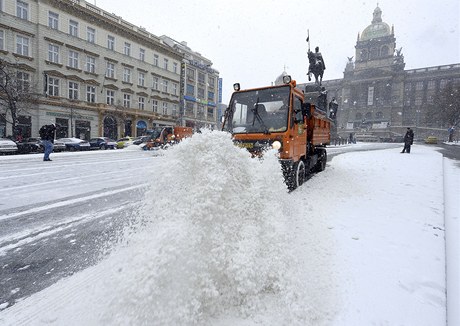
251 41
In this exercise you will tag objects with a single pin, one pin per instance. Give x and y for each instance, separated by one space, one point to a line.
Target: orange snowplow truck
278 117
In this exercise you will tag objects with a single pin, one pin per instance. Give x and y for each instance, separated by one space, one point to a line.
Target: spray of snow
214 241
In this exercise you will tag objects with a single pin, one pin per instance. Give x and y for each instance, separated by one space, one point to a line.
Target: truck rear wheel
321 165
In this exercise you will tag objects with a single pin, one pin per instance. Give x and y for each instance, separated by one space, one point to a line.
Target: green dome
377 29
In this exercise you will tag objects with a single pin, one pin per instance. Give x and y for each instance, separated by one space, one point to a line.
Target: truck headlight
276 145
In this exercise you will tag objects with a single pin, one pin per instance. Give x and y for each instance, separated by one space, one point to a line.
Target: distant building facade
200 87
377 96
94 73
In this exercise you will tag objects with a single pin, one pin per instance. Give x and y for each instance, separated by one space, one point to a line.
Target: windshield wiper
256 115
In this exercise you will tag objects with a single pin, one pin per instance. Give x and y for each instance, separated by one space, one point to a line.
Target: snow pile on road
223 247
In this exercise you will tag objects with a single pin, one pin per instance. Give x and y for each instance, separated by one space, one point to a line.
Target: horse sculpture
316 67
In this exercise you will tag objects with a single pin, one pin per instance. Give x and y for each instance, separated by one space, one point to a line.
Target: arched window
379 115
384 51
364 55
368 116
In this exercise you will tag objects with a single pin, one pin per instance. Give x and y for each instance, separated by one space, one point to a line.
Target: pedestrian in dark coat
408 140
47 134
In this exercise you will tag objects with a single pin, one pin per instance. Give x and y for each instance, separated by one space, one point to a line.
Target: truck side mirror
306 110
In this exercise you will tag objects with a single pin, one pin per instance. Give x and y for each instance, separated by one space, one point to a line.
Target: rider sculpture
316 66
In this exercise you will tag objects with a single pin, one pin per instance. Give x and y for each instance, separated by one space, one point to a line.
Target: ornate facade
377 97
94 73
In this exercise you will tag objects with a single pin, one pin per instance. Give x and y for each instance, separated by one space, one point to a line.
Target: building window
431 84
211 81
165 108
53 86
165 63
419 86
211 96
91 64
110 72
155 60
73 90
174 88
200 94
210 113
2 40
91 94
53 20
23 81
155 106
190 74
141 81
370 95
127 75
22 9
127 49
73 59
111 42
379 115
126 100
22 45
53 53
190 90
155 83
73 28
141 103
175 68
165 86
384 51
443 83
174 109
142 54
201 77
110 97
91 35
359 116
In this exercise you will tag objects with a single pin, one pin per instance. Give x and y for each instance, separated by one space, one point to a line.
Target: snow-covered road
220 242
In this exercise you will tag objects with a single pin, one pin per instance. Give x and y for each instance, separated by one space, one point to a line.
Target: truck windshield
259 111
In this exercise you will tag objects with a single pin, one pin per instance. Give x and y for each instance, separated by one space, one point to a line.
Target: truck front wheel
298 175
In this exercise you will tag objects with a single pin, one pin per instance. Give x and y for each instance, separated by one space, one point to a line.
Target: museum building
377 98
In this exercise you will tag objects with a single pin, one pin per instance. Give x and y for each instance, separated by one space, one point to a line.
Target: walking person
47 134
408 140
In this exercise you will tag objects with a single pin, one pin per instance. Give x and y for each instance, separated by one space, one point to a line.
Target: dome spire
377 15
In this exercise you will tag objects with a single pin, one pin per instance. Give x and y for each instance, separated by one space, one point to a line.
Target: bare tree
445 110
16 94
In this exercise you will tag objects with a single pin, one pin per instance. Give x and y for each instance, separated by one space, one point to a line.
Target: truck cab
278 117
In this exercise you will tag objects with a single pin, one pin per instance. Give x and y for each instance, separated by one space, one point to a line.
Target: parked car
75 144
141 139
29 145
125 142
102 143
7 146
58 146
431 140
34 145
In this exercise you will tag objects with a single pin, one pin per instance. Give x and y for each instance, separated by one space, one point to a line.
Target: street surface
59 217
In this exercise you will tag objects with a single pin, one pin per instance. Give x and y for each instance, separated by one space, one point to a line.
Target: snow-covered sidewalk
362 243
